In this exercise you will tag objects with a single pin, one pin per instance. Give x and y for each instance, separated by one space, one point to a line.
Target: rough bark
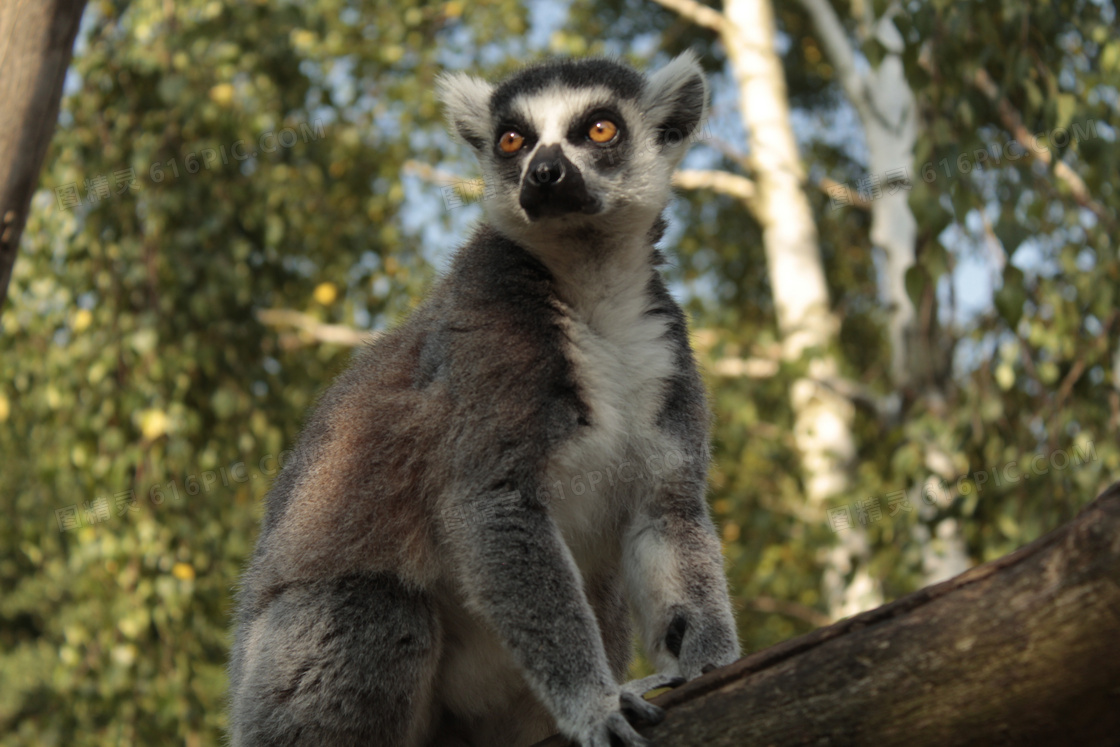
1018 651
36 41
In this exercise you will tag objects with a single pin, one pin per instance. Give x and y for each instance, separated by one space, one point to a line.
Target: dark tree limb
1024 650
36 41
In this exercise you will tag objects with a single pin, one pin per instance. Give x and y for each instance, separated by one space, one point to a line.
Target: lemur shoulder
481 502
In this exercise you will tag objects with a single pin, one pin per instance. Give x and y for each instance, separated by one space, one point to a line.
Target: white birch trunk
822 428
891 133
887 110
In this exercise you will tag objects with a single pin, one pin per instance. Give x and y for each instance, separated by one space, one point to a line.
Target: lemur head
577 147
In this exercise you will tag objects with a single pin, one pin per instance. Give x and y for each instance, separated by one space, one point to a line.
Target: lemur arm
674 572
673 563
519 576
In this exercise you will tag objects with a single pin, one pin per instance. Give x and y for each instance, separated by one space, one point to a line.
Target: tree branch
312 329
834 39
853 196
432 175
1013 121
699 14
723 182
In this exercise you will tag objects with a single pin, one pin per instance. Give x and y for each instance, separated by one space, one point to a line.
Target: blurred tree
35 47
875 85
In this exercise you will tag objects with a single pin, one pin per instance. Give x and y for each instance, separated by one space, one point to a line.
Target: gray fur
475 504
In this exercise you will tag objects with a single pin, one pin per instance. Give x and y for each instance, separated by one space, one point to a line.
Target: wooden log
1024 650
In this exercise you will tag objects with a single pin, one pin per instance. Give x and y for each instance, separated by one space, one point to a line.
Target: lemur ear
676 98
466 101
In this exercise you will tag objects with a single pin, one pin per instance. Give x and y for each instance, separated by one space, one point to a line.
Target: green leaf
1010 298
917 281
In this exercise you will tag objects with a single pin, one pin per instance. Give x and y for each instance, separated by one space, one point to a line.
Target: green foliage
133 364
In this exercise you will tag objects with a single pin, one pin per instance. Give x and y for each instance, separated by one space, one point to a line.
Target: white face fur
622 132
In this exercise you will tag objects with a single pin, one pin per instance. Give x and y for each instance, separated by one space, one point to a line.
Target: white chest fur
621 360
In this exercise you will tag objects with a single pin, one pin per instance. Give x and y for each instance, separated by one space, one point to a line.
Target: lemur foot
653 682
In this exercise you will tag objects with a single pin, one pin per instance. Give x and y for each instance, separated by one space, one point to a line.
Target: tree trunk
822 417
36 41
1018 651
888 113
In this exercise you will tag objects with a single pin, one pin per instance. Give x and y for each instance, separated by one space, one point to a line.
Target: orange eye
603 131
511 142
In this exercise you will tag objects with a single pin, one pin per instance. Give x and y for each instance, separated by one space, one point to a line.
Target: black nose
548 170
554 186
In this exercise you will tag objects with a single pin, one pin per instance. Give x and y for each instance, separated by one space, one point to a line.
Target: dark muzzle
553 186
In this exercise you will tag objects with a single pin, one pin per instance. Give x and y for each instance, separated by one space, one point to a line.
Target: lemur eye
602 131
511 141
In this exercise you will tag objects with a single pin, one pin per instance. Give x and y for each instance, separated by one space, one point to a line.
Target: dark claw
640 711
620 731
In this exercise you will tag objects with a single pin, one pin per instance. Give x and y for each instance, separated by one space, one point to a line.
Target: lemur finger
653 682
639 710
623 733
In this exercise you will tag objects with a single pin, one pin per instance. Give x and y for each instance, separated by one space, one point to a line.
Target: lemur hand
619 716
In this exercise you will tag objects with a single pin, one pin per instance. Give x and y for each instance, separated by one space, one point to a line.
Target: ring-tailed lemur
449 558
